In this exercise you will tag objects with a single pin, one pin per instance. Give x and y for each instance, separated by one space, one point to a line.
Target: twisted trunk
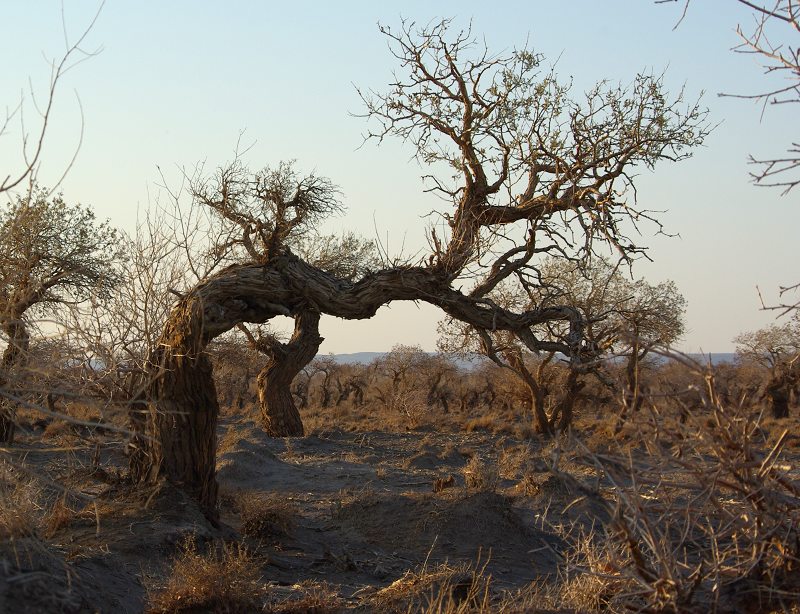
175 429
278 410
175 436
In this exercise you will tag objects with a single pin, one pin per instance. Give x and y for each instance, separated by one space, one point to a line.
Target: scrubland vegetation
166 450
419 486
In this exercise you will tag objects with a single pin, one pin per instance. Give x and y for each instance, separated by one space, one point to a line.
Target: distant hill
368 357
362 357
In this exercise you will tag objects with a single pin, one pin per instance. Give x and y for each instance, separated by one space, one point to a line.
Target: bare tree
776 24
777 349
769 37
535 171
25 175
52 253
116 327
622 318
263 215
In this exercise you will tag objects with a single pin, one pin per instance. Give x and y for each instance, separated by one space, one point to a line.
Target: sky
182 82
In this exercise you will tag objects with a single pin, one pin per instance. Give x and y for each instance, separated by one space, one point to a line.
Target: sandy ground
365 508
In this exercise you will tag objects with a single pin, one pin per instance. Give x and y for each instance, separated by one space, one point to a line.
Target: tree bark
13 358
175 431
278 411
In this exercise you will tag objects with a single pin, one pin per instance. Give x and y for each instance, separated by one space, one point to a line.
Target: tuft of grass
483 423
266 516
225 582
19 509
59 516
439 484
481 476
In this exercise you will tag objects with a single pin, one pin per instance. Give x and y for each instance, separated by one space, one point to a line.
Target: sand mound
459 525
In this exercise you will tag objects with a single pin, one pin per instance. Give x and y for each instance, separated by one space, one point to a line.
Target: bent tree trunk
536 391
176 436
278 411
13 358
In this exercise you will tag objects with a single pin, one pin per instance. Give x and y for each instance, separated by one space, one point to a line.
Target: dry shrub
413 406
440 589
19 513
226 582
56 430
708 519
528 486
59 516
481 476
439 484
266 516
482 423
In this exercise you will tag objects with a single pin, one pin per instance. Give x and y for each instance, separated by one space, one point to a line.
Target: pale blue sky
178 81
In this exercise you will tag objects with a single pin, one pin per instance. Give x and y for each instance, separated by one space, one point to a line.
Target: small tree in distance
648 316
623 318
776 348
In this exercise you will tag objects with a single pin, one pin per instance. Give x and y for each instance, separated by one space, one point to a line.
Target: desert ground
459 512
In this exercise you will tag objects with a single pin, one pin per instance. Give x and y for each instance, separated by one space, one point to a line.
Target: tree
285 361
648 316
776 24
170 251
621 317
53 253
33 143
777 349
535 171
263 214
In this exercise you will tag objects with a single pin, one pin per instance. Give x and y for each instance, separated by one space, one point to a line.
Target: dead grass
315 598
20 511
481 475
225 582
483 423
58 516
439 589
228 441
